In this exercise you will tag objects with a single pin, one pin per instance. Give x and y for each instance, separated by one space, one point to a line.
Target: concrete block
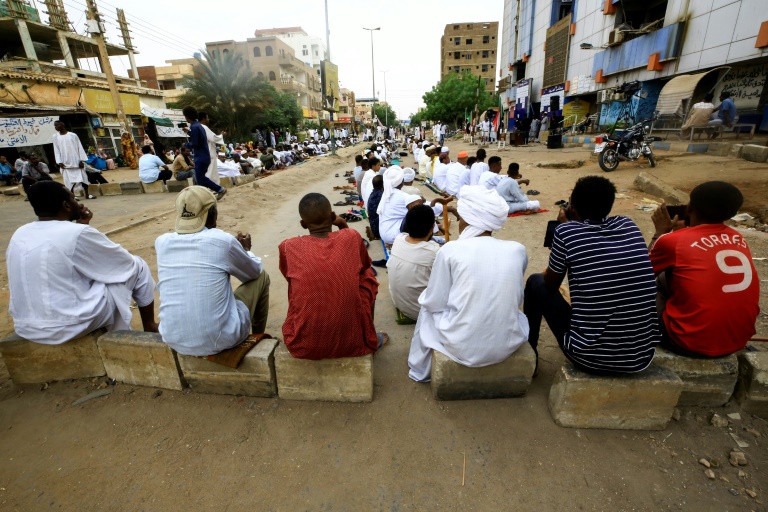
110 189
706 382
226 182
13 191
754 153
735 150
510 378
752 388
679 147
140 358
131 188
651 184
249 178
642 401
700 148
719 148
176 185
348 379
156 187
34 363
662 146
240 180
254 377
191 182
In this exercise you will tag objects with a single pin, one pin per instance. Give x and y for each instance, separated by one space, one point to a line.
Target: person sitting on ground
478 168
363 170
182 167
152 168
268 158
491 178
330 306
610 325
470 311
410 260
255 162
425 160
202 316
7 172
67 279
699 115
373 205
228 168
94 175
408 176
509 189
454 174
440 169
20 162
708 289
366 187
245 165
33 171
357 172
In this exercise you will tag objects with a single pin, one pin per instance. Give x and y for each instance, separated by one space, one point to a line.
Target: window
486 25
457 41
469 26
469 41
456 55
456 27
315 53
468 56
485 68
456 68
485 54
260 75
268 53
486 39
272 75
256 51
305 52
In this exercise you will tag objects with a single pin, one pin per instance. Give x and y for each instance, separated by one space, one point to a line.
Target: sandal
383 339
533 192
341 203
91 197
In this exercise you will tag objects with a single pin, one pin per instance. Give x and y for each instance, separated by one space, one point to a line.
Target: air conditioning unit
615 37
603 96
617 96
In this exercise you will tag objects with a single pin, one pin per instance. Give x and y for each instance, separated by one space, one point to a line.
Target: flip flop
341 203
383 339
533 192
91 197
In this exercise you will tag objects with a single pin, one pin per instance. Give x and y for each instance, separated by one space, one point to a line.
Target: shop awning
162 121
681 88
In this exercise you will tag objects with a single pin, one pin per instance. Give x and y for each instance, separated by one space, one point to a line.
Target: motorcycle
630 146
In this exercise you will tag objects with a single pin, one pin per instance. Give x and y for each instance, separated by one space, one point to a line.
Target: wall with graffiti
641 108
746 85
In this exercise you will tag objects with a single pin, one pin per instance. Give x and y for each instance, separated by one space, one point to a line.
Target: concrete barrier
254 377
226 182
176 185
131 188
509 378
651 184
156 187
706 382
754 153
110 189
752 388
140 358
642 401
34 363
13 191
348 379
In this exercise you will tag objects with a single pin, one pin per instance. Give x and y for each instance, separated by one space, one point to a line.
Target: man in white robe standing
70 158
470 310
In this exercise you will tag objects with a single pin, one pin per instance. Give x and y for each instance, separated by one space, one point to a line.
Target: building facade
581 52
168 78
470 47
309 49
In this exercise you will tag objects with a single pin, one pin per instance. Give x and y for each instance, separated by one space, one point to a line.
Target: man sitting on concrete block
470 310
67 279
200 315
331 287
708 288
610 325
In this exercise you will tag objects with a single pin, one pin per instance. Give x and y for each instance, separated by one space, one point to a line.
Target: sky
407 47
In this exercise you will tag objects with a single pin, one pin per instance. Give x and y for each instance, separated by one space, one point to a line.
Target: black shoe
379 263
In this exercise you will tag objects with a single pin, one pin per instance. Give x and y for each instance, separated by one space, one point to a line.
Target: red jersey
714 288
331 291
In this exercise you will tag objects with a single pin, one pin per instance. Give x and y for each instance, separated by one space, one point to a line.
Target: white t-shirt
409 268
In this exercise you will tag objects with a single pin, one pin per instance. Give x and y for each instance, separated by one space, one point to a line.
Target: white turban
411 198
392 178
444 149
409 175
482 209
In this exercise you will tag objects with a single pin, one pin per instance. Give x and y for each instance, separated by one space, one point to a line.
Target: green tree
454 96
234 99
285 112
386 115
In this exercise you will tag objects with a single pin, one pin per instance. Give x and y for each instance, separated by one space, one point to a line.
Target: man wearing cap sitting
454 174
440 171
408 176
200 315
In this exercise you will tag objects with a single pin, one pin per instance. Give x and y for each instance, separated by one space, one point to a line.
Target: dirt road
405 451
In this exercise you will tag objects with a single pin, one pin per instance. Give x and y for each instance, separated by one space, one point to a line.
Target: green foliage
454 96
386 115
285 112
417 118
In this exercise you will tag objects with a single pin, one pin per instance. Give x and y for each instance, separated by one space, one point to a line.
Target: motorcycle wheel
651 160
608 160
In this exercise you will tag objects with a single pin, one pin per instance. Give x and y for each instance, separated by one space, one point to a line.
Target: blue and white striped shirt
614 326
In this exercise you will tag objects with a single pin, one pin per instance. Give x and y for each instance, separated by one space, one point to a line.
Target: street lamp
386 112
373 73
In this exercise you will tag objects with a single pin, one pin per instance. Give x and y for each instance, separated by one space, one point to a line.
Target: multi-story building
470 47
270 58
364 107
168 78
347 112
558 54
44 76
308 49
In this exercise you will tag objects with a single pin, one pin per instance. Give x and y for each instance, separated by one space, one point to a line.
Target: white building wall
534 68
314 46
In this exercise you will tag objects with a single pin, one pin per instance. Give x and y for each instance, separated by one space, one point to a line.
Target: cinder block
140 358
348 379
754 153
226 182
156 187
240 180
254 377
249 178
110 189
131 188
706 382
700 148
735 150
34 363
509 378
719 148
661 146
752 388
13 191
176 185
641 401
651 184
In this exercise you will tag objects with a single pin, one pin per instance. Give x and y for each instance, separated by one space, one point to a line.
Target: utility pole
127 42
373 73
386 112
328 49
96 29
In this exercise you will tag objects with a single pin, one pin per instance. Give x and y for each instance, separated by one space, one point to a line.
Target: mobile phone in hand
550 234
681 211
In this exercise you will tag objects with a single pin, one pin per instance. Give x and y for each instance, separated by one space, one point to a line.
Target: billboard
329 75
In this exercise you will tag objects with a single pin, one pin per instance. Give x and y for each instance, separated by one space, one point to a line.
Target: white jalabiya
69 151
453 177
393 178
477 170
489 180
213 168
424 163
228 169
392 217
409 267
366 184
68 279
440 174
470 310
482 209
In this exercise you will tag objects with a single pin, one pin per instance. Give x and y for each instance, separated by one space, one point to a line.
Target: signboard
329 75
578 108
582 84
522 97
26 131
552 99
175 116
101 102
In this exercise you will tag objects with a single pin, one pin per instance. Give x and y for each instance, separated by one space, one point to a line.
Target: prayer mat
527 212
401 319
232 357
432 188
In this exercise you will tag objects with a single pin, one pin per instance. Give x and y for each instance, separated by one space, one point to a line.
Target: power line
150 26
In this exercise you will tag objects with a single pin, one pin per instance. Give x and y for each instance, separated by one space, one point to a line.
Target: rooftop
278 31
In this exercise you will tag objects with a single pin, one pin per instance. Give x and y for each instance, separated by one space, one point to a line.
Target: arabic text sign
26 131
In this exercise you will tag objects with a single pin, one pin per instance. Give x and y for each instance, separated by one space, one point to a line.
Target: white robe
470 310
477 170
229 169
69 151
453 178
366 185
440 175
489 180
213 168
